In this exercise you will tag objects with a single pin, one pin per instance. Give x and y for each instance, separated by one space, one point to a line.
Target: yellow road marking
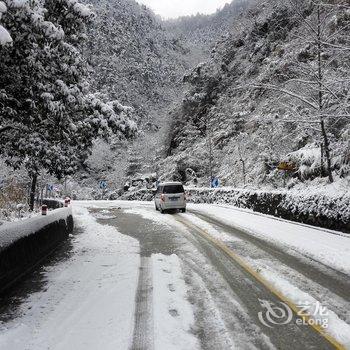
264 282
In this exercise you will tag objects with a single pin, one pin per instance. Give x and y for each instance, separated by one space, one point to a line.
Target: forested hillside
141 61
203 31
132 58
234 94
276 89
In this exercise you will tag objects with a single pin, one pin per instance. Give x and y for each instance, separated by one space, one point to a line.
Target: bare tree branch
290 93
6 128
298 121
301 81
340 47
337 116
338 31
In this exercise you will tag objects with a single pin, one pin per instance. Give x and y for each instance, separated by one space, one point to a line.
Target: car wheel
183 210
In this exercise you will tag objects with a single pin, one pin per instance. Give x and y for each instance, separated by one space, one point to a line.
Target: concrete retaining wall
25 244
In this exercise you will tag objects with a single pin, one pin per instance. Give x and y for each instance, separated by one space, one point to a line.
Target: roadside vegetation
256 95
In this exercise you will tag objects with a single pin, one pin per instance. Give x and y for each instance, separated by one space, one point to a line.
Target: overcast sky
176 8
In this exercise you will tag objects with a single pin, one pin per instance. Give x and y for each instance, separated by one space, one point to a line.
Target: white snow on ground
335 327
331 248
322 245
12 231
88 300
173 315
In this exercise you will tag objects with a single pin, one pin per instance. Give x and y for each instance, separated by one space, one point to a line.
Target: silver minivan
170 195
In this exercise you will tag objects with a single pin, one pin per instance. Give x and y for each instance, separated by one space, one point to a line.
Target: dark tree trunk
327 151
320 97
243 165
32 192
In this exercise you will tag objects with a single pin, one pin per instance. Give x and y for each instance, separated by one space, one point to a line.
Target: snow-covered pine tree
43 92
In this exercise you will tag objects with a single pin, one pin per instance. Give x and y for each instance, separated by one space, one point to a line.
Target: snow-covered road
135 279
86 299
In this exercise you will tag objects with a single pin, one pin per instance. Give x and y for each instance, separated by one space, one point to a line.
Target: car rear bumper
170 205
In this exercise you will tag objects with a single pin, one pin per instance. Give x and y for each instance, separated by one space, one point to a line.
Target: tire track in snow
335 281
242 281
143 328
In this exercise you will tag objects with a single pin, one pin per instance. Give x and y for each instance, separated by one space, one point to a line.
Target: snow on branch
5 37
339 47
287 92
336 116
80 9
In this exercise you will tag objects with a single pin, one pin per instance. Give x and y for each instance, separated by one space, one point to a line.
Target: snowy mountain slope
134 59
203 31
220 116
231 114
132 56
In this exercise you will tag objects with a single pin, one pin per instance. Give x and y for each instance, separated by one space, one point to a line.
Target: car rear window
171 189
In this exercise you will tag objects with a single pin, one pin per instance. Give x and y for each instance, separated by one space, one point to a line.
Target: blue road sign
103 185
215 183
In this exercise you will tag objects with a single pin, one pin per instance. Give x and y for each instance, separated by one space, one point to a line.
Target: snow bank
330 211
329 248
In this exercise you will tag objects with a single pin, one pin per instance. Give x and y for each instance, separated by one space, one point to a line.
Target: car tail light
162 197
